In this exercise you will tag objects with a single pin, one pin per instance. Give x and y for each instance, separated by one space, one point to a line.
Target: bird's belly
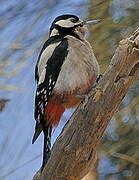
69 97
77 76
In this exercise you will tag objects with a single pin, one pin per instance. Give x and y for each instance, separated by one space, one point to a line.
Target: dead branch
74 152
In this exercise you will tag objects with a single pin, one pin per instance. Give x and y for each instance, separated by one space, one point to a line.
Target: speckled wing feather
48 68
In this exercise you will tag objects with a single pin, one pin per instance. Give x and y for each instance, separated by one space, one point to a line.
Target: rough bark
75 150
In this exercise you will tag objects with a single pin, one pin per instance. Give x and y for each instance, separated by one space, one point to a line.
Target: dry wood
75 150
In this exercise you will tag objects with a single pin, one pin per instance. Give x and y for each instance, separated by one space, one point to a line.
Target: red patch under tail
53 113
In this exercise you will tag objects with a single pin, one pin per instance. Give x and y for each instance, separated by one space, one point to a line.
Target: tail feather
38 130
50 118
47 145
53 113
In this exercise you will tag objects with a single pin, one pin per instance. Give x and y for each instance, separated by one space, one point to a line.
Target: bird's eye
73 20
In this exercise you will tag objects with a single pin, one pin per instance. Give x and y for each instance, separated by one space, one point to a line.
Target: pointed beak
92 22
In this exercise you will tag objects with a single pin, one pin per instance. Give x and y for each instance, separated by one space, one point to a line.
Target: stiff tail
50 118
47 145
38 130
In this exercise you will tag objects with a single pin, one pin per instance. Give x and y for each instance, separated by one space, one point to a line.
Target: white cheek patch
65 23
54 32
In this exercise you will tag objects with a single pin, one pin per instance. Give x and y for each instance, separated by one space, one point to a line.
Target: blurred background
24 27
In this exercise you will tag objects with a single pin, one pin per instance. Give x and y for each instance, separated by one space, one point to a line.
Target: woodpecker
66 67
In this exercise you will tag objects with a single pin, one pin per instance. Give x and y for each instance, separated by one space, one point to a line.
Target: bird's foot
85 97
98 78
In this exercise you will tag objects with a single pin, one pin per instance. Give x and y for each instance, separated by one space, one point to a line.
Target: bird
66 67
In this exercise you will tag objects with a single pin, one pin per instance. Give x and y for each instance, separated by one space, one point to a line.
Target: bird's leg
98 78
85 97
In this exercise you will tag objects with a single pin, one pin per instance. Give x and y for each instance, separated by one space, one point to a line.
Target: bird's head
70 25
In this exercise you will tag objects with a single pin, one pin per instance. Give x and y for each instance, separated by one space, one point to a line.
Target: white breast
79 67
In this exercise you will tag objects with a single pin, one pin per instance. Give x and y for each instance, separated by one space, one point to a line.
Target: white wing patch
42 76
47 53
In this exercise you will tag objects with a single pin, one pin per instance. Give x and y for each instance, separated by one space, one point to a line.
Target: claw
99 77
85 97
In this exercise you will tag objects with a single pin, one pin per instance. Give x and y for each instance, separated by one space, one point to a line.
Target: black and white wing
47 70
